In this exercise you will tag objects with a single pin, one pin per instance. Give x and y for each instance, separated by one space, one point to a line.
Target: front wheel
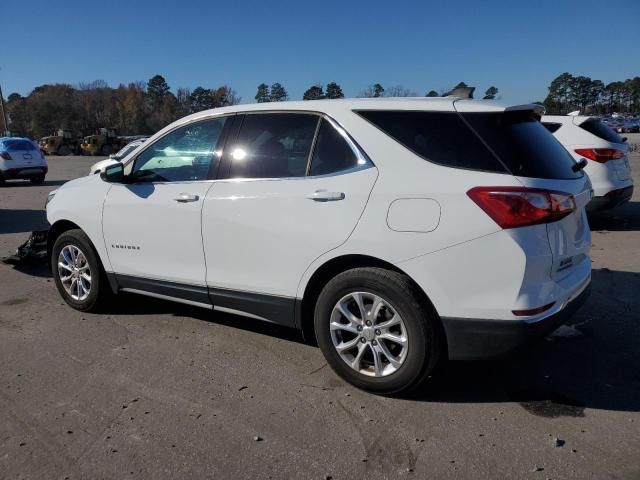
376 331
77 272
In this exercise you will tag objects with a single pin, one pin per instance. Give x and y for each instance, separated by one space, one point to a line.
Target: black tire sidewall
415 320
80 240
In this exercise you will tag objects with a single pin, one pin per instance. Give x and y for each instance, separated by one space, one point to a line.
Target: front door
152 223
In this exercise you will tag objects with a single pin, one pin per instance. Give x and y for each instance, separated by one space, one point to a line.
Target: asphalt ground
161 390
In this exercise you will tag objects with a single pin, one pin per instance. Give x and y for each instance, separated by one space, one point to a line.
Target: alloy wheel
74 272
369 334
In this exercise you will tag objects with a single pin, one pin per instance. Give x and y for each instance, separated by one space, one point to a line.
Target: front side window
332 153
185 154
273 145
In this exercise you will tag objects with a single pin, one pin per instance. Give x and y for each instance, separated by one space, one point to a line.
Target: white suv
606 154
398 232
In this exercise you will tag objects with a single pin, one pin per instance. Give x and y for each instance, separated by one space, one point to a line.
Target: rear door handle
185 197
324 196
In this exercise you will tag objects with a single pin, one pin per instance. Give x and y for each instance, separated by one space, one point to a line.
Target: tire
99 290
39 180
414 360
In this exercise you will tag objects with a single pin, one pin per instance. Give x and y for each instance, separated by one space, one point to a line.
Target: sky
518 46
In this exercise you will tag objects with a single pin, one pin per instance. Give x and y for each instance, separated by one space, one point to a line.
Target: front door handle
185 197
324 196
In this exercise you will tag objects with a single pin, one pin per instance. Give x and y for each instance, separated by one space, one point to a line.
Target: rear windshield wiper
579 165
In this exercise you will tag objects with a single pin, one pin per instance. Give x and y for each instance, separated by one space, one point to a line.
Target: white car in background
606 154
116 157
399 232
22 159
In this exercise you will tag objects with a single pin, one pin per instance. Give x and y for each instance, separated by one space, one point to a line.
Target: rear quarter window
524 145
439 137
601 130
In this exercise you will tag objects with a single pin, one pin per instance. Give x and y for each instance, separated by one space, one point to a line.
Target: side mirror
112 156
113 173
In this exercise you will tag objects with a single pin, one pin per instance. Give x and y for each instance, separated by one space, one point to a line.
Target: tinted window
552 127
182 155
523 144
273 145
601 130
439 137
332 153
17 145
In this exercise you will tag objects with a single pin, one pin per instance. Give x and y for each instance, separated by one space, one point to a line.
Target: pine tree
314 93
278 93
262 95
334 91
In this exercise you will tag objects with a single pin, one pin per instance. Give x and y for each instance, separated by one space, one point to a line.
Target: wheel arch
61 226
334 267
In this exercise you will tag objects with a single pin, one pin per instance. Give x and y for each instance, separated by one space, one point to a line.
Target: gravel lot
161 390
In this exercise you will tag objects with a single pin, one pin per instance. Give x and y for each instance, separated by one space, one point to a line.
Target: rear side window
552 127
600 130
18 145
273 145
523 144
332 153
440 137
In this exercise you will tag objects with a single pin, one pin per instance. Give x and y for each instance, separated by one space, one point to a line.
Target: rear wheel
77 272
39 180
375 330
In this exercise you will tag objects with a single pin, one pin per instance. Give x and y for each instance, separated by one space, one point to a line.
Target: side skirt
270 308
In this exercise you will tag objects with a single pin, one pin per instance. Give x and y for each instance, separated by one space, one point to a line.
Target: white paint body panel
261 235
167 232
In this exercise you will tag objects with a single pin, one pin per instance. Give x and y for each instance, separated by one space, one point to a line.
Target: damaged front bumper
34 250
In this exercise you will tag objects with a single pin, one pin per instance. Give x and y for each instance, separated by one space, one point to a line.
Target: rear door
295 189
538 160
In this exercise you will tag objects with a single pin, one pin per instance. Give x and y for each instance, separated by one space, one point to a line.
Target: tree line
569 93
277 93
134 109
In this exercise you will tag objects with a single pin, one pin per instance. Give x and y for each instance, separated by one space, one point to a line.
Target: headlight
50 197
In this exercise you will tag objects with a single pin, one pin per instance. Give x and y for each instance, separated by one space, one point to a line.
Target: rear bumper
470 339
26 172
612 199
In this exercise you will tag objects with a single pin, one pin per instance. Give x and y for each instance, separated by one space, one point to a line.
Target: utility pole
3 118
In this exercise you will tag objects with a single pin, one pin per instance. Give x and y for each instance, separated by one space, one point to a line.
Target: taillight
600 155
5 155
512 207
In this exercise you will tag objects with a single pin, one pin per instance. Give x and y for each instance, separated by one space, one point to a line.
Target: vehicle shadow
131 304
624 218
591 363
20 221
